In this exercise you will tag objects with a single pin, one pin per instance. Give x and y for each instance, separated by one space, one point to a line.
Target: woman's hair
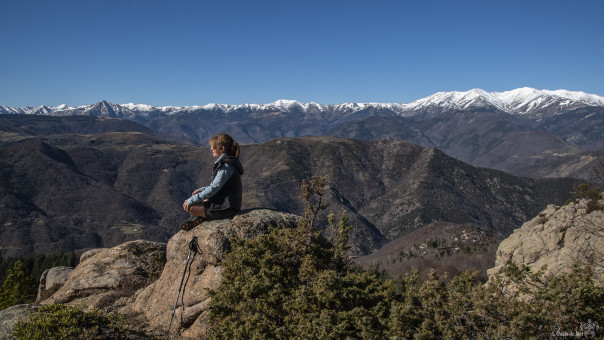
230 146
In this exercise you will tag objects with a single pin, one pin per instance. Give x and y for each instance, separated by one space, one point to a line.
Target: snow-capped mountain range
519 101
518 131
522 101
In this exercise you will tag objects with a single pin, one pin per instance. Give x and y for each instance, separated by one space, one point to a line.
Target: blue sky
180 52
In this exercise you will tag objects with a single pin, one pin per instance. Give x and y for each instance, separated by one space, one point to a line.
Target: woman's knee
197 210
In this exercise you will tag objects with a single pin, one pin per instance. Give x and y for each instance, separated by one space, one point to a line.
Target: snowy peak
456 100
526 100
519 101
63 107
287 105
138 107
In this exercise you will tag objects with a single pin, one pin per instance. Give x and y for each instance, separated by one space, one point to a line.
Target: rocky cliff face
557 238
141 279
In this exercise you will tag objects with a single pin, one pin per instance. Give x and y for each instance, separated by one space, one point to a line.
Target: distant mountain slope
74 191
485 139
394 187
22 126
518 129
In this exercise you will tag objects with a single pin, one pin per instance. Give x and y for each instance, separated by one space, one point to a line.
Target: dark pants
220 214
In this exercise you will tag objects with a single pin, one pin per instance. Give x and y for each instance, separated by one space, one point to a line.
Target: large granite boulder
557 238
108 278
156 302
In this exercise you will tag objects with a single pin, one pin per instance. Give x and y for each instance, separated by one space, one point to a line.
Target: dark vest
229 196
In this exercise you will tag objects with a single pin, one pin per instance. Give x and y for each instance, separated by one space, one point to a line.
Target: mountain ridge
518 101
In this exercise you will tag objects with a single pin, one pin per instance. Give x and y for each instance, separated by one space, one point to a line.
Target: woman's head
222 140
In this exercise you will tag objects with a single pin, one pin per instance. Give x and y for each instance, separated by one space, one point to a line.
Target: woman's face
217 151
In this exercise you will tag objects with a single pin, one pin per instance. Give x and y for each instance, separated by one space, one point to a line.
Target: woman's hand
185 206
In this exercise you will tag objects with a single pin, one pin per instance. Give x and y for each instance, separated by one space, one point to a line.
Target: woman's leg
197 210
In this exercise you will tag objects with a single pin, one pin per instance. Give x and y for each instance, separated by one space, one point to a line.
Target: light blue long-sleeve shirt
222 176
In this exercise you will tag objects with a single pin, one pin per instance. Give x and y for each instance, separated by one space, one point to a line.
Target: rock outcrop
156 302
107 279
557 238
141 279
51 280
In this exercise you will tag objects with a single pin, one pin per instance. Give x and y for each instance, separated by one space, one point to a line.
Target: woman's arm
222 176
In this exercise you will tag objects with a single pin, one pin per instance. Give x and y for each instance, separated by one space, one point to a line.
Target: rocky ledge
156 301
557 238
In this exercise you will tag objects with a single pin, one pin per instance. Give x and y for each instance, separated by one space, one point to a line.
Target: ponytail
235 149
230 146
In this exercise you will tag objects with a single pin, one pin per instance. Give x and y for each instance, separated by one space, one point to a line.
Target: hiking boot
192 223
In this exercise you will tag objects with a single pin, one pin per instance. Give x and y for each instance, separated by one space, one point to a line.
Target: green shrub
286 284
592 194
541 305
518 304
296 283
63 322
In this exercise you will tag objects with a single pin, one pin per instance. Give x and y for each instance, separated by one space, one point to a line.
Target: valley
71 192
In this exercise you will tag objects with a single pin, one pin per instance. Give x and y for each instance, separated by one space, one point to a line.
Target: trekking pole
192 247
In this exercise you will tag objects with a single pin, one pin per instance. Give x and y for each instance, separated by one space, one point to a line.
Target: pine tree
17 288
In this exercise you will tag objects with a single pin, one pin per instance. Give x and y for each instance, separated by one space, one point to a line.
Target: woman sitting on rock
222 198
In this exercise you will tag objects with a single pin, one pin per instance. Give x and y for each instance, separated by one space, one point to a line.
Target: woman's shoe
192 223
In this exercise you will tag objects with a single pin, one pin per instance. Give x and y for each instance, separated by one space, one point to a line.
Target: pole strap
193 247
